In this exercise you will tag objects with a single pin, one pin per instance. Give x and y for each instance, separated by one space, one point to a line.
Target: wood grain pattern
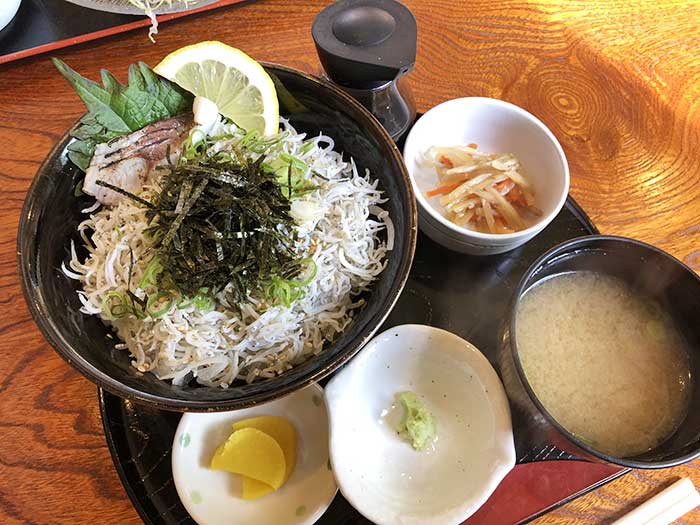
618 82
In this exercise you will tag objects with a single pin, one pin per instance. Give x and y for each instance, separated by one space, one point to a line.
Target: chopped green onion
223 157
287 291
280 291
202 300
203 303
281 167
197 135
296 163
183 303
152 271
118 311
223 136
159 304
308 146
195 145
249 137
311 273
115 305
253 142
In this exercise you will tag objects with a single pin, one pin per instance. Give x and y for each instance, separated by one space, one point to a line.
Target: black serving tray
464 294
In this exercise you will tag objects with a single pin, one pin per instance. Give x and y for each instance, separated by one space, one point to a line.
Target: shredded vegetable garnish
480 191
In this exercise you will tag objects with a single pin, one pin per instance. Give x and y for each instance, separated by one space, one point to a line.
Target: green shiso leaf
115 110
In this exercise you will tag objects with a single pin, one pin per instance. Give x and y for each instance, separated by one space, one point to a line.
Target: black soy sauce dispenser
366 46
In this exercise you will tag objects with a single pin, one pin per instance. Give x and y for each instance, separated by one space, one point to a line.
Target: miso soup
606 362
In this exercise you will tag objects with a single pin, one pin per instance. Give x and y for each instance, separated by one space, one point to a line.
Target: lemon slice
237 84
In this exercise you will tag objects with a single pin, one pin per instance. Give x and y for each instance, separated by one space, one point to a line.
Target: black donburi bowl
51 214
653 273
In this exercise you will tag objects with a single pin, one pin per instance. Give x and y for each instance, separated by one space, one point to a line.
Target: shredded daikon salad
480 191
340 227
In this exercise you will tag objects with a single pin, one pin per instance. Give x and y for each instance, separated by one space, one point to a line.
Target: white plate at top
212 497
124 7
380 474
8 10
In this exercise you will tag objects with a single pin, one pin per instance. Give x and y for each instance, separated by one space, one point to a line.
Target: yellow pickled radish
281 430
254 489
254 454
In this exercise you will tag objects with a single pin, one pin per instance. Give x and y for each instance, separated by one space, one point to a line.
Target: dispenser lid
364 43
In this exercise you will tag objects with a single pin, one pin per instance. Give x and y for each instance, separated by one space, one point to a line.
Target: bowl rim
551 255
504 455
473 234
33 295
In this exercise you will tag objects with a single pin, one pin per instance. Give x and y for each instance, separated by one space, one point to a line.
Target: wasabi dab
417 426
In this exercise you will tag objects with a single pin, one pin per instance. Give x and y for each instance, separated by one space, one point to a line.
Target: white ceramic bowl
8 10
379 473
496 127
212 496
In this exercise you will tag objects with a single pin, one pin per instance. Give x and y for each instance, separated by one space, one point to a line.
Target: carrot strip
446 161
515 196
502 185
441 190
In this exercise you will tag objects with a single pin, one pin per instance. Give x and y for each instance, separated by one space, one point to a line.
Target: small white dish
8 10
496 127
212 497
379 473
125 7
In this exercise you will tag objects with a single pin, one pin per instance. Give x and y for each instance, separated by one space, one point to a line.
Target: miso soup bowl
653 273
496 127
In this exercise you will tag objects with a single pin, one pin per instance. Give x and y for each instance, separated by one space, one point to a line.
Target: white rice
343 221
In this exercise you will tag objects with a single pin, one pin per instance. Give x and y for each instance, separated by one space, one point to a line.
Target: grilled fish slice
128 162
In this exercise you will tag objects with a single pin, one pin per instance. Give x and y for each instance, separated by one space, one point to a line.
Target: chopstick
666 507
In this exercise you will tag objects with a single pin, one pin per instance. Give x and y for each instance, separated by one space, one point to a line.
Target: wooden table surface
617 81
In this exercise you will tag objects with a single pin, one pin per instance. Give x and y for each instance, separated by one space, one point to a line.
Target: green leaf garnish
115 110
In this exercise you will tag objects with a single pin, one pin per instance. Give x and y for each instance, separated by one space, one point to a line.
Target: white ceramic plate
125 8
213 497
380 474
8 10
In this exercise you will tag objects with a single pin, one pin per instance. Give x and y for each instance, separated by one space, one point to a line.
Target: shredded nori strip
220 219
124 192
